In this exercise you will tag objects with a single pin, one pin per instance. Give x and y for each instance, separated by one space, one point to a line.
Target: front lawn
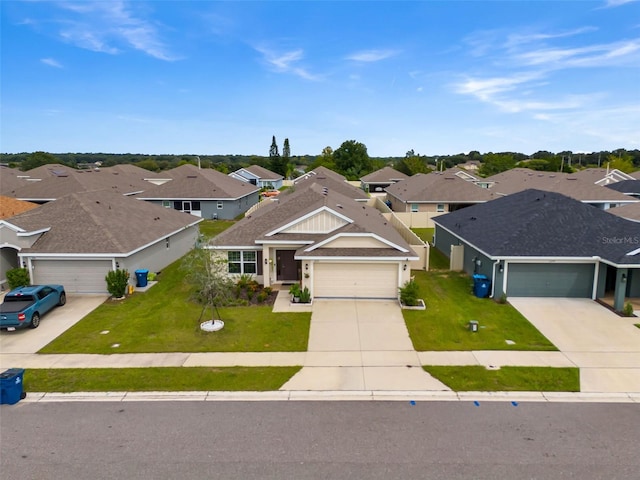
450 307
477 378
166 379
164 319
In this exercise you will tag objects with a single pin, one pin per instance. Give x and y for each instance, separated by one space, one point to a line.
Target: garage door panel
550 280
355 280
77 276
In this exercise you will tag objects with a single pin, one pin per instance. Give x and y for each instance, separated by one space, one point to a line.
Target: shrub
409 293
305 296
294 290
627 311
262 296
18 277
117 281
503 299
151 276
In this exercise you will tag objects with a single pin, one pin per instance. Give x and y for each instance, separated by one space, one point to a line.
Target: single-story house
627 187
331 180
577 186
77 239
56 181
543 244
376 182
436 192
259 176
331 244
205 193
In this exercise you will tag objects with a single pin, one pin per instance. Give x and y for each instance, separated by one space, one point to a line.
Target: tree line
350 159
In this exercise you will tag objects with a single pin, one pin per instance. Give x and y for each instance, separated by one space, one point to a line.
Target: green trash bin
11 386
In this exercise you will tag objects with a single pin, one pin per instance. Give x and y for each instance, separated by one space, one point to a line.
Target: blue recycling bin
481 285
141 278
11 386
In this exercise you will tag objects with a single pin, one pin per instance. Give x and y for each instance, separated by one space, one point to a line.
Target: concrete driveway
53 324
360 345
604 345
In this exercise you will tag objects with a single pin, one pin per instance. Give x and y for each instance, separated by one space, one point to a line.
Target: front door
287 267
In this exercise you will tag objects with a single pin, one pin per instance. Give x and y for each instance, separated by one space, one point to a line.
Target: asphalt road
309 440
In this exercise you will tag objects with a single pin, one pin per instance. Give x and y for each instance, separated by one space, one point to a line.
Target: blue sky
206 77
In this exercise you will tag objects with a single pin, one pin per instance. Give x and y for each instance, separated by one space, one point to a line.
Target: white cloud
368 56
617 53
109 27
287 62
51 62
617 3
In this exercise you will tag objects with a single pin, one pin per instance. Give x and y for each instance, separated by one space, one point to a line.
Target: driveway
604 345
360 345
53 324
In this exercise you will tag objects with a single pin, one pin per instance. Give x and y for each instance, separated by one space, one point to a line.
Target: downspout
493 278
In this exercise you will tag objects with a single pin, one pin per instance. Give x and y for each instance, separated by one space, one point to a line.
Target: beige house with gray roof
331 244
77 239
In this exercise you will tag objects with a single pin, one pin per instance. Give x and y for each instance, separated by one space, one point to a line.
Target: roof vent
192 176
338 205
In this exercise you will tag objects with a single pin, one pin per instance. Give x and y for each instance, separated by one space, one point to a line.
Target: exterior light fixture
404 267
623 278
266 261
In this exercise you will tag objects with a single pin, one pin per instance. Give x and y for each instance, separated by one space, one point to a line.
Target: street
250 440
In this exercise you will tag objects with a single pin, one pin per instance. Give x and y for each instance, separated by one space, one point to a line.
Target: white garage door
355 280
77 276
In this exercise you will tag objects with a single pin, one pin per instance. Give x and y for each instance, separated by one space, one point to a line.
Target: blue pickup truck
24 306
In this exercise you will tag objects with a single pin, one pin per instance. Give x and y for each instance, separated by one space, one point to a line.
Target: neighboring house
336 247
331 180
571 185
471 166
205 193
77 239
259 176
627 187
602 176
58 181
420 198
8 259
377 181
10 180
543 244
630 212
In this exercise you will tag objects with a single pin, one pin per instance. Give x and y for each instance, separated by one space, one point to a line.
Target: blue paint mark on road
515 404
476 403
412 402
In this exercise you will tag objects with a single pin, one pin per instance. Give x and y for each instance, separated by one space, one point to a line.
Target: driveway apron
360 345
605 346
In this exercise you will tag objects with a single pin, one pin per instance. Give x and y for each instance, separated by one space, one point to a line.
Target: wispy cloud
616 53
617 3
110 27
368 56
51 62
287 62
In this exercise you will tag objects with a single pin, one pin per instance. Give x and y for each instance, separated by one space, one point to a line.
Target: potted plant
295 292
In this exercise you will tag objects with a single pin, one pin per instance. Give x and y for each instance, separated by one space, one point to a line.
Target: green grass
425 234
450 307
163 319
211 228
506 379
437 260
169 379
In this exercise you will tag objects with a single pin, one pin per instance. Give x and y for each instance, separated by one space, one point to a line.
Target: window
220 205
414 207
242 262
440 207
166 204
184 206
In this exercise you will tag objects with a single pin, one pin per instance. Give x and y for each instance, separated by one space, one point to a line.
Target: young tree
208 274
276 163
286 150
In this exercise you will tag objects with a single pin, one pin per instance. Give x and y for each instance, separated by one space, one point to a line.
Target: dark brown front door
287 268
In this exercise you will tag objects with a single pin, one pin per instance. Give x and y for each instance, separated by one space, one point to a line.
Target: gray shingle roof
330 179
263 173
100 222
579 187
628 187
384 175
68 180
438 187
536 223
189 182
365 219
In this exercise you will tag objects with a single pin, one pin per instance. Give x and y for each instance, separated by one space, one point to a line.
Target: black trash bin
481 285
11 391
141 278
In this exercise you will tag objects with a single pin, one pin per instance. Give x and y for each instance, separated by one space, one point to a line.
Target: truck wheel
63 299
35 320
